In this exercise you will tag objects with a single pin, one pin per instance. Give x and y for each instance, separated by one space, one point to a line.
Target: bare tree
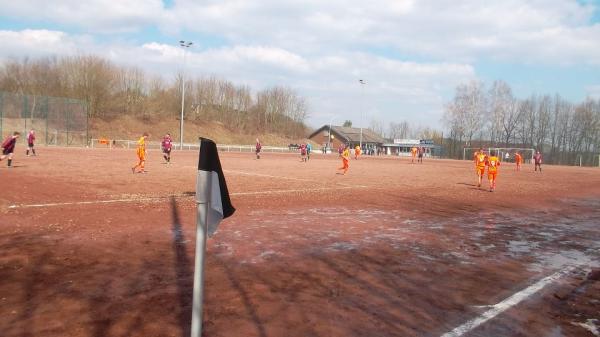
377 127
399 130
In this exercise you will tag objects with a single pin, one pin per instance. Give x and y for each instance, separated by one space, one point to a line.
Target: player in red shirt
30 141
258 148
8 147
167 145
537 159
480 160
303 153
492 164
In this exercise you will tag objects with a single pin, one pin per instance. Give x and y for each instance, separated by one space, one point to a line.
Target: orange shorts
480 170
492 175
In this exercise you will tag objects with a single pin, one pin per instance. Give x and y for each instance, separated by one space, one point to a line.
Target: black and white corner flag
216 195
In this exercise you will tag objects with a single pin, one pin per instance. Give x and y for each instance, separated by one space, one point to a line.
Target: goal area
502 152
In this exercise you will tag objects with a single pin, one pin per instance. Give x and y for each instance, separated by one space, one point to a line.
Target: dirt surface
390 249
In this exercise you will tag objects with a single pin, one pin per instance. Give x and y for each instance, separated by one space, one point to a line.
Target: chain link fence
56 120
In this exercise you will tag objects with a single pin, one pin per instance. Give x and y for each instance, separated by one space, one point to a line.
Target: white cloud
546 31
36 43
105 16
412 53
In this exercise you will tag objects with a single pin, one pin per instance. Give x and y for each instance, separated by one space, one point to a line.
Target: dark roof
351 134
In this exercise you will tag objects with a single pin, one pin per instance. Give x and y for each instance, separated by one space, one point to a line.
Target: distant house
332 138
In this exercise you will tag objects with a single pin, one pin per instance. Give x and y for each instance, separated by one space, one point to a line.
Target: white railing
132 144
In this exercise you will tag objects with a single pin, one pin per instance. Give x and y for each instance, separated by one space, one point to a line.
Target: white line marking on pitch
507 303
289 178
279 177
178 196
298 190
83 202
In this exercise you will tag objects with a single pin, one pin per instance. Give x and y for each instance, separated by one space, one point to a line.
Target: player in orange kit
413 153
357 152
480 160
345 160
141 153
518 160
492 164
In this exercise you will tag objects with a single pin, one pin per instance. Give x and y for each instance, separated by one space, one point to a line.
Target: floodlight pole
184 45
362 82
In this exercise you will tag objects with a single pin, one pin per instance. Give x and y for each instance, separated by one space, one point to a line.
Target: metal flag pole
203 196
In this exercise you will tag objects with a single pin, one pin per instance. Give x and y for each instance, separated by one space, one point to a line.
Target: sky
410 54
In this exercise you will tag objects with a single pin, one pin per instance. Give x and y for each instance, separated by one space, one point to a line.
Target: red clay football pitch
389 249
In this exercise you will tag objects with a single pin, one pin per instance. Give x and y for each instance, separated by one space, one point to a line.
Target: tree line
563 131
112 91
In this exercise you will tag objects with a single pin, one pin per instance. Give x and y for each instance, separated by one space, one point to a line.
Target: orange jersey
480 160
346 154
492 164
141 148
518 158
357 150
413 151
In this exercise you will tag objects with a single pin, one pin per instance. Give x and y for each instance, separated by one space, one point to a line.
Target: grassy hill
130 128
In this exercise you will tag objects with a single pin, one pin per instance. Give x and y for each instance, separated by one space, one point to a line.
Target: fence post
67 117
46 109
24 112
1 113
87 122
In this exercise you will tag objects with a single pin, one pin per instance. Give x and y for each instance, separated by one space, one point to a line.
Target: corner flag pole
213 205
203 196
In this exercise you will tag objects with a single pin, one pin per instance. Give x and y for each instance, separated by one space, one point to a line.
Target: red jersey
303 149
31 138
167 143
9 144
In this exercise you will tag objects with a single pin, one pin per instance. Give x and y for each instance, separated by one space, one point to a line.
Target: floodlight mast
362 84
185 45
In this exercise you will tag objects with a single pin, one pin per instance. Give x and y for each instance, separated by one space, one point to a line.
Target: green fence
56 120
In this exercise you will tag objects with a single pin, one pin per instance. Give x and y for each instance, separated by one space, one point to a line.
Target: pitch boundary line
506 304
112 201
278 177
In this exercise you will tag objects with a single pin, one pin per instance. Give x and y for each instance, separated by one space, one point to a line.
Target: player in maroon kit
8 147
303 153
258 148
30 141
167 145
537 159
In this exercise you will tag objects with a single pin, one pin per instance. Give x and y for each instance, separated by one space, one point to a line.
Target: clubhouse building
331 137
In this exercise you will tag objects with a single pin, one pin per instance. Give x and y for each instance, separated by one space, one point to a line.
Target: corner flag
210 173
